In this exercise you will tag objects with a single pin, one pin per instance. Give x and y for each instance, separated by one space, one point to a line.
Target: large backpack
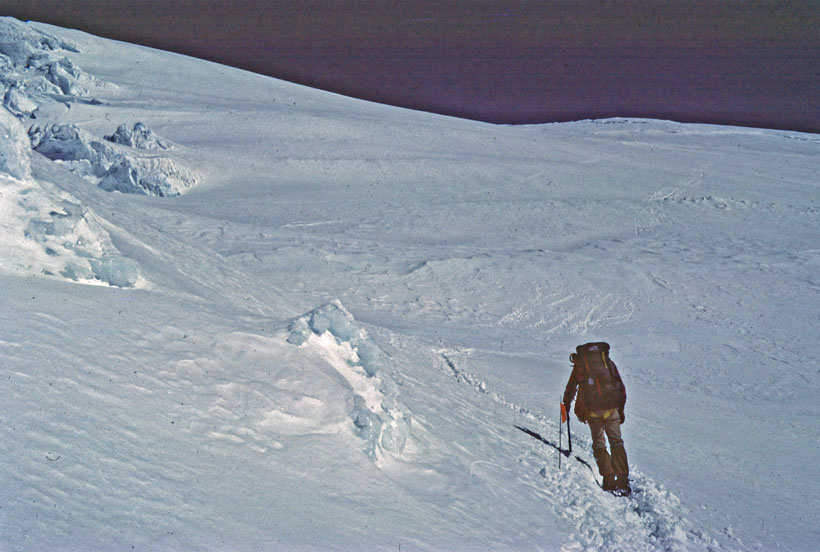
600 386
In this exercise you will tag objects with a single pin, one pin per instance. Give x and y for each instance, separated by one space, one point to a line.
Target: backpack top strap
593 347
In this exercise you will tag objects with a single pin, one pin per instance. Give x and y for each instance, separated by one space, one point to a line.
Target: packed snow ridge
380 420
109 164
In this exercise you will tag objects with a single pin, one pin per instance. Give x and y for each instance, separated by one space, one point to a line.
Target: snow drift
46 230
378 416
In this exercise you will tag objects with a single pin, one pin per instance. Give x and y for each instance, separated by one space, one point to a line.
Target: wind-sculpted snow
34 75
45 230
77 149
18 103
18 41
140 137
377 415
111 165
34 71
15 154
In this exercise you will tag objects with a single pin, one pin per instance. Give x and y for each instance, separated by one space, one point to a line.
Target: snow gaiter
620 464
603 461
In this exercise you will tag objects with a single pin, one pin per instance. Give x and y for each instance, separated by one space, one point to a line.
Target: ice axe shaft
565 418
560 434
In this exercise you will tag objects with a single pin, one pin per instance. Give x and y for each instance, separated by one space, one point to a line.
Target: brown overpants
605 427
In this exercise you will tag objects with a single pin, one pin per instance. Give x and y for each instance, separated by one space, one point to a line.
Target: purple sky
718 61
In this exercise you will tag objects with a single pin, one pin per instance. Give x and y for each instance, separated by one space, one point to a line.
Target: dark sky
718 61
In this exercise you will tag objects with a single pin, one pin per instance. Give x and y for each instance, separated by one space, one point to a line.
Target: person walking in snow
601 400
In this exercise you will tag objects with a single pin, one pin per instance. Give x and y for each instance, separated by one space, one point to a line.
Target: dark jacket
596 393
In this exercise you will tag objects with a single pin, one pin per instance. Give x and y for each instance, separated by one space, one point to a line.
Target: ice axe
565 418
561 433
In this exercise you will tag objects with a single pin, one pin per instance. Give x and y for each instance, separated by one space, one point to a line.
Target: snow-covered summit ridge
378 416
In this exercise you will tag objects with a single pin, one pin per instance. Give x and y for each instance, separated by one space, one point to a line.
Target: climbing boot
620 466
622 487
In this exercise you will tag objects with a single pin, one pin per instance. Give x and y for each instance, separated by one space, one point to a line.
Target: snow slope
328 339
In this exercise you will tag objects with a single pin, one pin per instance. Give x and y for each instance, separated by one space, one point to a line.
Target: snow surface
329 340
